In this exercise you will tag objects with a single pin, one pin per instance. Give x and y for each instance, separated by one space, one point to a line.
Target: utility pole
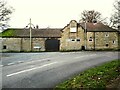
30 25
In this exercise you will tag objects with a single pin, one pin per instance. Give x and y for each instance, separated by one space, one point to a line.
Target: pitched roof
48 32
91 27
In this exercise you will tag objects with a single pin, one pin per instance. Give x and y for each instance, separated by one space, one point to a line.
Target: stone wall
38 44
22 44
72 40
93 41
106 40
11 44
90 41
102 40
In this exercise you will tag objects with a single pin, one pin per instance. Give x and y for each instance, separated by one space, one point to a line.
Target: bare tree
115 18
91 16
5 12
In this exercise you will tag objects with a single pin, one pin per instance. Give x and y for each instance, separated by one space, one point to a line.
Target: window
4 47
106 34
107 45
113 42
73 29
78 40
90 39
73 39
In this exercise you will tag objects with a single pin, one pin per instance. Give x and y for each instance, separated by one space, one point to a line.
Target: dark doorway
52 44
83 48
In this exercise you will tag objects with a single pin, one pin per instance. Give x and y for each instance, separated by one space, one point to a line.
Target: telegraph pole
30 29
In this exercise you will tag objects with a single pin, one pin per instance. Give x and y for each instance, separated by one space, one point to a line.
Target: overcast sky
54 13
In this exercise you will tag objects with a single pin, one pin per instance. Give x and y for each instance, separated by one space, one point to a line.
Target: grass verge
98 77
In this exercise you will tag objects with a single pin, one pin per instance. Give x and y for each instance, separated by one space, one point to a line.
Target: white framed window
72 39
90 39
113 41
107 44
106 34
73 29
78 40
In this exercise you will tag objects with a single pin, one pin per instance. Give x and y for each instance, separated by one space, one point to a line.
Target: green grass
97 77
7 33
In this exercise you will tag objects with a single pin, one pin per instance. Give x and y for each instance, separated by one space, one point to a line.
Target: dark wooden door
52 45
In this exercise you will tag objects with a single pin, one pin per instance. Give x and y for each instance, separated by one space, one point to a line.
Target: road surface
47 69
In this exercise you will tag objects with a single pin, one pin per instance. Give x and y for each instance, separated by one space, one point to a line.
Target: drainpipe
94 40
30 36
85 35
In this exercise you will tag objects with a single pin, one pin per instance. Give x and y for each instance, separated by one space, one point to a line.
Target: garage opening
52 44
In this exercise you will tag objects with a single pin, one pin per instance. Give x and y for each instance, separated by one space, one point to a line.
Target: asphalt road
46 70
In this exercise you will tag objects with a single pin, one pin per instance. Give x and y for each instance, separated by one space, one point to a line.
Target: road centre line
85 56
1 65
27 70
37 60
11 63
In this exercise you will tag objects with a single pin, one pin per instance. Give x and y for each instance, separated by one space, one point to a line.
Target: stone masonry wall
22 44
106 40
72 40
11 44
90 41
38 44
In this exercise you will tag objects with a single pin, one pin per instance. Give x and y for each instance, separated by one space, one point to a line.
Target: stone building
41 40
74 36
89 36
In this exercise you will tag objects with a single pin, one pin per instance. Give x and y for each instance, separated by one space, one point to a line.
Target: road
46 70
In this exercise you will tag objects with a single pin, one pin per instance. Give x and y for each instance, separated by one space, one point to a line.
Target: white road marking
37 60
32 66
27 70
20 61
85 56
1 65
10 63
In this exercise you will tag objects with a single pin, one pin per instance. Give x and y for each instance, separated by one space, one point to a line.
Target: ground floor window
4 47
78 40
107 45
90 39
113 42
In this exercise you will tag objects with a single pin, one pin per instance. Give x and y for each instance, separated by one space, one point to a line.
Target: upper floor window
78 40
4 47
73 26
90 39
113 42
106 34
72 39
73 29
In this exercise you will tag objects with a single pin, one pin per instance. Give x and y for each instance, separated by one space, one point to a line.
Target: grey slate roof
41 33
98 27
